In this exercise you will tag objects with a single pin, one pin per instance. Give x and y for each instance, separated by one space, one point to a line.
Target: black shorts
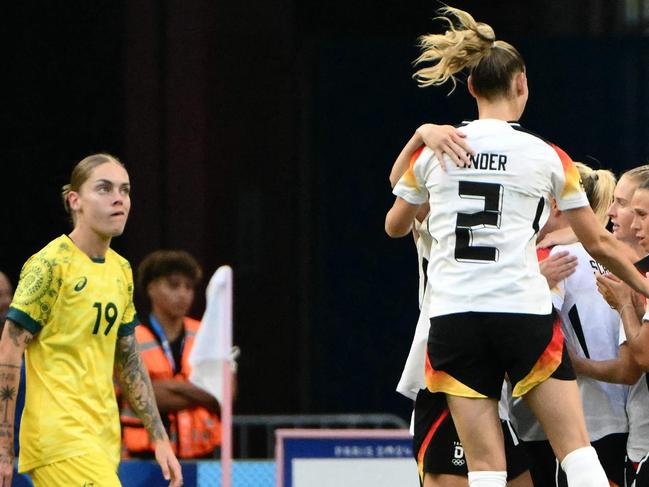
611 451
546 470
641 474
437 447
470 353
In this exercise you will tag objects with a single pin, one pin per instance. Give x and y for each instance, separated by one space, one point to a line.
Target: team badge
458 454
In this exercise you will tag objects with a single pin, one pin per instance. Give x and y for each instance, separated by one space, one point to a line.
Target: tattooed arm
136 387
12 345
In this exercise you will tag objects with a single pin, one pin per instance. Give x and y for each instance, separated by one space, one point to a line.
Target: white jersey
412 377
637 410
484 218
424 246
592 329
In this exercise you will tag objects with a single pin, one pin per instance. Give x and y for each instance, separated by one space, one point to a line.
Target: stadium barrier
204 473
254 435
345 458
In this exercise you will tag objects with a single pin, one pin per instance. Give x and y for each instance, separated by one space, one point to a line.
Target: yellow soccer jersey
76 307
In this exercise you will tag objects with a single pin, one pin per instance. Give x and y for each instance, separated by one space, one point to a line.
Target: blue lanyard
157 329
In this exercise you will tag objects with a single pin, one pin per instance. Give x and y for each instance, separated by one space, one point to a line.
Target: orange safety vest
193 432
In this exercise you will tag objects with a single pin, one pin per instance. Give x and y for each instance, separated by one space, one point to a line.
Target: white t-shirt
484 219
592 329
637 411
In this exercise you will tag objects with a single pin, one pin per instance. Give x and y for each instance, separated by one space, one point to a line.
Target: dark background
260 134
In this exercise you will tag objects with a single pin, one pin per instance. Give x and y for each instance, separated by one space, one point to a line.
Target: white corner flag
210 358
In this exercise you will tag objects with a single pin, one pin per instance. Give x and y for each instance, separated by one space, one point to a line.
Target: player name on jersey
491 162
597 267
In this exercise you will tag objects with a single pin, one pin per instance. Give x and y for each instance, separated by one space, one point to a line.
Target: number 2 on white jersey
467 223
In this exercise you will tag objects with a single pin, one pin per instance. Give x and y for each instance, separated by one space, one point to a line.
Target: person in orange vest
191 415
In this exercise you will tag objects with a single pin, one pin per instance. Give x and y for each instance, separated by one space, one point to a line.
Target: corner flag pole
226 406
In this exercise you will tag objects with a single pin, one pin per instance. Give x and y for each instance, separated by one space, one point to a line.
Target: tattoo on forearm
18 334
9 382
7 431
7 394
6 459
136 384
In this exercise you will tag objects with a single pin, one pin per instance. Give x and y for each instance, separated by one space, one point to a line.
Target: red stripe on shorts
429 436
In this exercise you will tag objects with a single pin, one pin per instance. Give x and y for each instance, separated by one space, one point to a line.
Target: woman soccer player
491 310
622 369
73 315
437 447
591 328
636 337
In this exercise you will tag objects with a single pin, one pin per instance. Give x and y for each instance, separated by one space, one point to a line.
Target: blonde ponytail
454 50
466 44
599 185
65 192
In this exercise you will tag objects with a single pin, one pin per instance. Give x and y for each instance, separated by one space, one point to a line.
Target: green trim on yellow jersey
23 320
127 329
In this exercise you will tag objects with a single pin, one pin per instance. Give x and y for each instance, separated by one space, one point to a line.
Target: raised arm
604 248
564 236
136 387
403 159
12 345
398 221
441 139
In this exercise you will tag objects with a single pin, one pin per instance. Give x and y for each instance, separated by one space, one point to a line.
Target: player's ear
521 83
554 207
74 201
469 84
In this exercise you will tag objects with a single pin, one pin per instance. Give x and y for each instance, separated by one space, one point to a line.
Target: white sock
487 479
583 469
